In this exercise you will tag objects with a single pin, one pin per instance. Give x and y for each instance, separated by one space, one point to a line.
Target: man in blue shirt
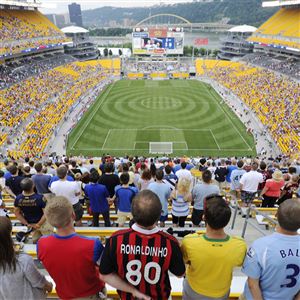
163 191
99 197
231 166
235 177
41 180
124 195
29 210
272 263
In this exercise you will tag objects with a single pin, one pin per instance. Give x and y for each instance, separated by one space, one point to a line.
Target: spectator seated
23 29
272 97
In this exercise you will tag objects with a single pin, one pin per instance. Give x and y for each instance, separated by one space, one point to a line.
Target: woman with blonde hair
19 277
181 197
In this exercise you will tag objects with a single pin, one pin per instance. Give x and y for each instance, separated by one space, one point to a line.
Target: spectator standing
110 180
163 192
265 173
235 178
211 166
183 172
211 257
123 196
143 255
203 165
170 178
231 166
125 169
99 197
18 269
13 183
69 258
29 210
68 189
32 170
249 185
41 181
272 190
181 198
220 174
82 168
145 180
272 262
199 193
50 169
2 180
91 165
74 169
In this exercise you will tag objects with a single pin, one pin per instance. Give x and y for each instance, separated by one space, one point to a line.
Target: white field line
193 149
87 122
215 139
185 143
107 135
249 148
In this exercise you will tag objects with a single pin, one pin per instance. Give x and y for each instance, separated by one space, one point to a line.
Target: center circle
161 103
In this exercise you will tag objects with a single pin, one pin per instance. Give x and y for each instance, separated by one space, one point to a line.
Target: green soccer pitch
131 113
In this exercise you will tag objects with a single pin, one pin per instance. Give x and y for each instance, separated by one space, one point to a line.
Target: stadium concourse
211 225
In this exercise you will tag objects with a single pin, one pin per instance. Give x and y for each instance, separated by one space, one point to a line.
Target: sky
61 6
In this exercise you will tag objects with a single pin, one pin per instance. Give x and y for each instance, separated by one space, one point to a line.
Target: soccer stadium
171 172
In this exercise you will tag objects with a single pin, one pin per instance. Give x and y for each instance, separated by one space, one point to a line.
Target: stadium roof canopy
21 3
274 3
74 29
243 28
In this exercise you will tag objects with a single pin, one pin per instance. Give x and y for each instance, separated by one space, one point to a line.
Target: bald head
146 208
288 215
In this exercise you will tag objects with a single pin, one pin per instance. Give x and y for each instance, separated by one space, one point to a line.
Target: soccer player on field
143 255
272 263
211 257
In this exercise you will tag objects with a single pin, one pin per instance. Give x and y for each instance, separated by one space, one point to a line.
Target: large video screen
157 41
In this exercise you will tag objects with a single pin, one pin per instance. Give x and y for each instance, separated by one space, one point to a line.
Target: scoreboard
157 41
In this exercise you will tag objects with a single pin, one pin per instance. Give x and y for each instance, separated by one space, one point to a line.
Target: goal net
161 147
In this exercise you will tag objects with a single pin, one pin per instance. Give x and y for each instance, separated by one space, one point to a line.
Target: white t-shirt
68 189
2 211
183 173
251 180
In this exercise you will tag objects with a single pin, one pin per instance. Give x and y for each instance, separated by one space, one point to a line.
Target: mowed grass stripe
160 104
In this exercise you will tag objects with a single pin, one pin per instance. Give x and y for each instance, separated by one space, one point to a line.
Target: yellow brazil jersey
211 262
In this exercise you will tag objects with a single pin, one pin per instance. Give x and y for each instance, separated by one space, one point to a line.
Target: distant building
75 14
60 21
235 45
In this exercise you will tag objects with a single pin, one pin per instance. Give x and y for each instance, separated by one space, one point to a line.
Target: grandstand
27 31
274 99
280 34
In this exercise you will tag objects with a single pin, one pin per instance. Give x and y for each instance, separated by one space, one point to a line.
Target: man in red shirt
70 259
143 255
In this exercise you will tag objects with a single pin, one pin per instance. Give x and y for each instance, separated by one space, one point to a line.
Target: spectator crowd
137 261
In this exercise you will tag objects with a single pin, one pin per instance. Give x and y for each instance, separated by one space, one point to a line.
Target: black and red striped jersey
143 258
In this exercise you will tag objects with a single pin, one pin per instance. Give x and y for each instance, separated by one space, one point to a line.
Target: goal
161 147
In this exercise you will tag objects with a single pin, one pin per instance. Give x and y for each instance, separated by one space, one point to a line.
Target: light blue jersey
235 177
275 261
163 191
